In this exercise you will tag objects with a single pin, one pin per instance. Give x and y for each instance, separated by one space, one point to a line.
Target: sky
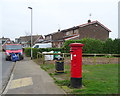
51 15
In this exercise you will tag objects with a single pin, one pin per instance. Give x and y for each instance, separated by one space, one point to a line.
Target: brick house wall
58 36
48 37
57 44
71 32
93 31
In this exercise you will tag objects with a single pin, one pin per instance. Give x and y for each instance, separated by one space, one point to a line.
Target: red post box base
76 82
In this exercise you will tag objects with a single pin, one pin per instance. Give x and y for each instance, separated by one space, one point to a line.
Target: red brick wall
93 31
58 36
57 44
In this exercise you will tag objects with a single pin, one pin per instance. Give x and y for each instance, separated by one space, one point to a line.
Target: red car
13 48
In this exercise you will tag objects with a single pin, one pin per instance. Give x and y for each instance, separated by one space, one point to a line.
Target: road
6 67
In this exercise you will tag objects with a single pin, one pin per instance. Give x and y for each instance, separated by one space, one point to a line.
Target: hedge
90 46
96 46
112 46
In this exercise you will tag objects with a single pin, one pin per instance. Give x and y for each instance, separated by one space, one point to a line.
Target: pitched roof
28 38
82 25
4 38
93 22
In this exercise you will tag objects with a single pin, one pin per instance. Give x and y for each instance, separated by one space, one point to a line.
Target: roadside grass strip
96 79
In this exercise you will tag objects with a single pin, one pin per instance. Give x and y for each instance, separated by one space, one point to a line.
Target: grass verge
97 79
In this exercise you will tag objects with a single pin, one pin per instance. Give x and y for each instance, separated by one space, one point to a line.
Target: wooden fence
42 55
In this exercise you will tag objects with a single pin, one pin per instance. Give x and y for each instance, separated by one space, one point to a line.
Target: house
92 29
48 38
26 40
17 40
4 41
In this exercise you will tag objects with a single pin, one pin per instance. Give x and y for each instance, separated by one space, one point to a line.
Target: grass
100 79
97 79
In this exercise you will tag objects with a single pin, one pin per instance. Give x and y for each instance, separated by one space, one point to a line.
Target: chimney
89 21
58 30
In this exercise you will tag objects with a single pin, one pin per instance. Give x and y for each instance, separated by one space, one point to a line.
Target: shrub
116 44
96 46
27 51
91 45
108 46
112 46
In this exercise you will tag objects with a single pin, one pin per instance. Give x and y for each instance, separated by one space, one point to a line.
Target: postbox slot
74 48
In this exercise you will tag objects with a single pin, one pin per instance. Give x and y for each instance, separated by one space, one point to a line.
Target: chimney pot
89 21
58 30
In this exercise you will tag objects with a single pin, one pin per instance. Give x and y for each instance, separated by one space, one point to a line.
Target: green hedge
112 46
90 46
96 46
27 51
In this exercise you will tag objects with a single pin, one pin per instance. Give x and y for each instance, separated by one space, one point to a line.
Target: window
37 46
50 37
76 31
69 33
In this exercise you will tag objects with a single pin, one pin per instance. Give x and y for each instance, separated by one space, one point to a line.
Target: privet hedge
91 46
112 46
96 46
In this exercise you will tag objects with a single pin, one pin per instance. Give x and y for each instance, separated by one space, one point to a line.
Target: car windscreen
13 47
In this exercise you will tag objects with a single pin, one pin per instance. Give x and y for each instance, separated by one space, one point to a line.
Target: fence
42 56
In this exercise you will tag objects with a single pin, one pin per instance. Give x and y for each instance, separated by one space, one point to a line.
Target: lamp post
31 31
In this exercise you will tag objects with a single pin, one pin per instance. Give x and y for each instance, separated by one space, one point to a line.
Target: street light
31 31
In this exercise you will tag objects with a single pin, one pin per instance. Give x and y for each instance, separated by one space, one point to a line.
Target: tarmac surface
29 78
0 72
6 69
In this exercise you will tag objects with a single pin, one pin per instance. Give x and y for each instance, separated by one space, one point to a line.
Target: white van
42 45
45 45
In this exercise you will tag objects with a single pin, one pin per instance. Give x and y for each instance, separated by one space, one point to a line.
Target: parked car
42 45
13 48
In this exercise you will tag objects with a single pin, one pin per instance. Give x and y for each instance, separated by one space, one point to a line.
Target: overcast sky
49 15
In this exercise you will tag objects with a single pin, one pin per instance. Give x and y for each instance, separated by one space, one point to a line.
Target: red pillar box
76 64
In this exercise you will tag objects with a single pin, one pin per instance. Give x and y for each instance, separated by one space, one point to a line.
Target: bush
108 46
96 46
116 44
90 45
112 46
27 51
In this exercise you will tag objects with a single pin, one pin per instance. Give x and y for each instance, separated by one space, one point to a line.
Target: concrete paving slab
29 78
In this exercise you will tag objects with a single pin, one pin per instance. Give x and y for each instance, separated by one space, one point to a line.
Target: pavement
28 78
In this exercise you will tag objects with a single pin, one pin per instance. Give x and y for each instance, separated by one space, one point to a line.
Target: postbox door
76 66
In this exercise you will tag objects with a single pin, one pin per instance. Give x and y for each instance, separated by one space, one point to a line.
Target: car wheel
6 59
21 57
